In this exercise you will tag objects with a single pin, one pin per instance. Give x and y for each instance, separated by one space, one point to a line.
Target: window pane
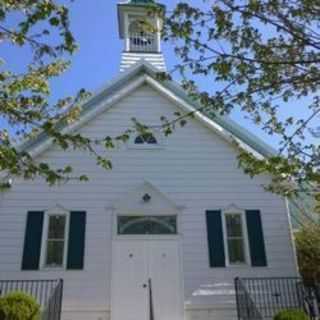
234 225
236 251
135 225
139 140
55 250
147 138
56 227
150 139
163 225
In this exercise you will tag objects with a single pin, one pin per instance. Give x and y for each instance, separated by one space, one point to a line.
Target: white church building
165 233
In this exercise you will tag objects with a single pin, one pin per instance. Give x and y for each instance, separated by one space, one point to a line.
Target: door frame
143 238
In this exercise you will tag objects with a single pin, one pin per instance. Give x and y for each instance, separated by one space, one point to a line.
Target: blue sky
94 24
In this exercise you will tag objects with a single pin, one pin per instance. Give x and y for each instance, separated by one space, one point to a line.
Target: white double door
146 274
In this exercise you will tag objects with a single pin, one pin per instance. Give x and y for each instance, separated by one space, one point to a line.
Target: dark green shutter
256 238
32 241
76 244
215 239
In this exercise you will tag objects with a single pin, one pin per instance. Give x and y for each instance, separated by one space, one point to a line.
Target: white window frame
247 261
45 233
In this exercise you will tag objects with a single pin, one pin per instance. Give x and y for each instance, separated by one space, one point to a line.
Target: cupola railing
143 42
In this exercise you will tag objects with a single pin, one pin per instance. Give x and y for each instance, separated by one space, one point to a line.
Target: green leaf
54 21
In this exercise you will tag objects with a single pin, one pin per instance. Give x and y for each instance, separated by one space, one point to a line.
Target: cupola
140 26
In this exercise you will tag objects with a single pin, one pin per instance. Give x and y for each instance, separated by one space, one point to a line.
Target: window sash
58 255
62 253
236 257
234 232
229 238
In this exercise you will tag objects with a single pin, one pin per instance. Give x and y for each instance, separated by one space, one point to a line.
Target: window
235 239
147 138
147 225
55 241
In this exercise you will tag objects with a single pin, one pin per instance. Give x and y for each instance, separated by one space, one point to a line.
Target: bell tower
140 26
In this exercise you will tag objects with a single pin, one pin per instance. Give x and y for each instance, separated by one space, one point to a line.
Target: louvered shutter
256 238
32 241
76 245
215 239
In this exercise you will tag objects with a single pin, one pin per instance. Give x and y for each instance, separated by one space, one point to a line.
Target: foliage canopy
308 251
261 56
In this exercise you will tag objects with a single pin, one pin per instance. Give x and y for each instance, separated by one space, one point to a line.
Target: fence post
61 298
236 289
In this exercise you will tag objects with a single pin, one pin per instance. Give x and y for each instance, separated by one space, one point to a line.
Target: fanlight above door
147 225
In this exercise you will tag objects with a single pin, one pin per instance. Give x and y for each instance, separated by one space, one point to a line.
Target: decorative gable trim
135 201
233 208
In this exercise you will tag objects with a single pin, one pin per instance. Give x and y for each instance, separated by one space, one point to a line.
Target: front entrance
146 280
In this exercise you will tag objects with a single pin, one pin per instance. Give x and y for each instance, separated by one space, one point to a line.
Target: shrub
308 250
292 314
19 306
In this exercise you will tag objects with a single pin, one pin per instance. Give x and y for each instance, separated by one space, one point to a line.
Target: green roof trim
226 123
141 1
302 210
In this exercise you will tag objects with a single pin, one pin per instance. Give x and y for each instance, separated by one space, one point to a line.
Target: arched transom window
141 39
147 225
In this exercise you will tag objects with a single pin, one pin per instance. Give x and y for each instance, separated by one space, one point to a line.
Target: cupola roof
141 1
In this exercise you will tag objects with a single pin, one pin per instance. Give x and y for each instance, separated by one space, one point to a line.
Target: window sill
53 269
145 147
238 266
244 266
44 269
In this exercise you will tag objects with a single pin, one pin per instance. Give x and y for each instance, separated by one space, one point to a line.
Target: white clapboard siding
195 168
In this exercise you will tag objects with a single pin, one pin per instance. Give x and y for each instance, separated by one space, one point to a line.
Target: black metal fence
314 289
246 307
48 293
263 298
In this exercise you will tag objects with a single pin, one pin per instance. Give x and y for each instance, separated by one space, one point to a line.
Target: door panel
136 261
129 297
165 273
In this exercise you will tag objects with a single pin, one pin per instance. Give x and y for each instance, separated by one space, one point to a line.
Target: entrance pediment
146 199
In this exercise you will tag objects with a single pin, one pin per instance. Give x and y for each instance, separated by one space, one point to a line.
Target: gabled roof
143 72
